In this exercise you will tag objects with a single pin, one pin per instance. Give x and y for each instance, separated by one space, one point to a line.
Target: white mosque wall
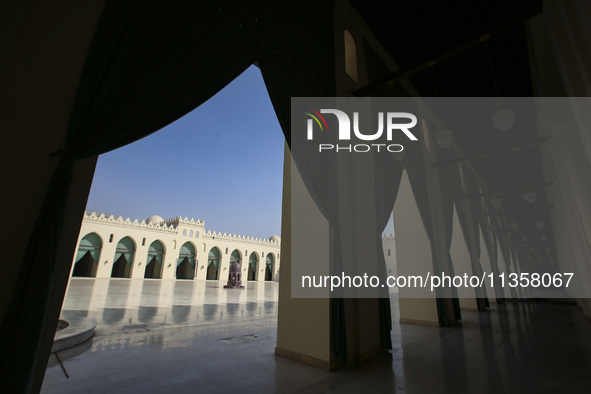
173 233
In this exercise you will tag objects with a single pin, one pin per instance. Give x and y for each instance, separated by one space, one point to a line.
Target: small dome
154 219
275 238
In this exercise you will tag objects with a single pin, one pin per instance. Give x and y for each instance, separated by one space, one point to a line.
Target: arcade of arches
113 247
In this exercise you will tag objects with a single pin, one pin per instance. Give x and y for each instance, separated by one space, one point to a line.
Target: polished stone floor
187 337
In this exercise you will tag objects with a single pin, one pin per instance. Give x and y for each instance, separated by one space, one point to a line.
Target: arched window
350 56
155 260
191 233
88 255
123 260
185 264
184 233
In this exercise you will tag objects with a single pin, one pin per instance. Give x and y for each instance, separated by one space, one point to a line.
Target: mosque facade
110 246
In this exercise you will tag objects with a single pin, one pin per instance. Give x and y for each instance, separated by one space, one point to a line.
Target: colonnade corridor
162 336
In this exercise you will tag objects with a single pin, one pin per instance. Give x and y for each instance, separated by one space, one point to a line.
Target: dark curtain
212 271
506 251
490 240
305 68
84 266
451 193
388 175
149 64
185 269
417 176
470 230
121 268
417 173
153 269
389 169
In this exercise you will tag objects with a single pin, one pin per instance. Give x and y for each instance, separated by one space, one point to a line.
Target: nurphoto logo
395 122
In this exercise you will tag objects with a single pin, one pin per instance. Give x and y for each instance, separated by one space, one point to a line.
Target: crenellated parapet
169 241
388 237
119 221
240 238
172 226
178 220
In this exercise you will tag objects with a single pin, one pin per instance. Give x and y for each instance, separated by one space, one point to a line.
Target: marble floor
184 337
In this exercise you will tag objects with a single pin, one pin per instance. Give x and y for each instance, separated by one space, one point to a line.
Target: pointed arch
213 263
154 260
185 264
236 257
123 260
88 256
253 263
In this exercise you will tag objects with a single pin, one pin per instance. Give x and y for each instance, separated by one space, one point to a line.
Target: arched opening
213 264
185 265
154 261
253 262
161 295
125 255
123 260
87 257
270 266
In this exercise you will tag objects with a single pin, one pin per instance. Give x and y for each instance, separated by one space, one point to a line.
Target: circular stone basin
61 324
72 332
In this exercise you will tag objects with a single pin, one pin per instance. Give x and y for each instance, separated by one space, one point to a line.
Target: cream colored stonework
173 233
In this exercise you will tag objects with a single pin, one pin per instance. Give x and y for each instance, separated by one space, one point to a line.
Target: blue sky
222 163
